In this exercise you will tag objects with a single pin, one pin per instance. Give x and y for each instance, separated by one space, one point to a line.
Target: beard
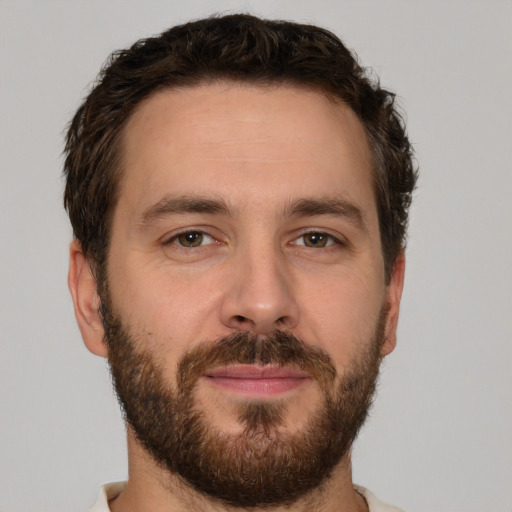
263 465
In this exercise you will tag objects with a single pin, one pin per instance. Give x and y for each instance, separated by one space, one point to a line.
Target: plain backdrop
440 434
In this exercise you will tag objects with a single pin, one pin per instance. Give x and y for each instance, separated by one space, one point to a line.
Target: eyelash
174 240
330 240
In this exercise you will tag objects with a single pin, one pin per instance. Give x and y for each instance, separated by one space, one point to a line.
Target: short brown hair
239 48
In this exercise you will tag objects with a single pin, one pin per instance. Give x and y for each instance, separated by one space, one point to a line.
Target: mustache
278 348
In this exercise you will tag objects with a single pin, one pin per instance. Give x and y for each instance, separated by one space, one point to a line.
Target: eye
191 239
316 239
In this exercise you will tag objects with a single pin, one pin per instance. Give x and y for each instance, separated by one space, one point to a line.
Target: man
239 190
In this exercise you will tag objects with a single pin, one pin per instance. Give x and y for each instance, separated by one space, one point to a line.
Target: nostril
281 320
240 319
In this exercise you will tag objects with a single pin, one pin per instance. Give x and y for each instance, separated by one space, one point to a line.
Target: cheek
182 316
340 316
173 311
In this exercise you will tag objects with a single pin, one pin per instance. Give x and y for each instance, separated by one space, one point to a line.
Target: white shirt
109 491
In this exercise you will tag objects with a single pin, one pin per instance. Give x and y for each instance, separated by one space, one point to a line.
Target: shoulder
374 504
107 492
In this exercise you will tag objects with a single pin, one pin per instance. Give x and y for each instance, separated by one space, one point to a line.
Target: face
243 213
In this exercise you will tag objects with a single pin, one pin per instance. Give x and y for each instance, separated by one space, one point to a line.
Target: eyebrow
336 207
307 207
180 205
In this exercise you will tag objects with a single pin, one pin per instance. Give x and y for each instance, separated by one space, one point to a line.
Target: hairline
118 152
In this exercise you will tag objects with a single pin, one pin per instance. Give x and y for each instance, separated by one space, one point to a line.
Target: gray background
439 437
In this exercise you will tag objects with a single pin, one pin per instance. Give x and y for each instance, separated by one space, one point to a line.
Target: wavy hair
238 48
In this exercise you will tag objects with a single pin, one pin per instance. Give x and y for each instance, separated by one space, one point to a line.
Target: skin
258 151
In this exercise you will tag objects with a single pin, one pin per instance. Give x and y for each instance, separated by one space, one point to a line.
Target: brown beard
261 466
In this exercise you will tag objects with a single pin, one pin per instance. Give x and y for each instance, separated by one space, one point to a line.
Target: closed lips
258 379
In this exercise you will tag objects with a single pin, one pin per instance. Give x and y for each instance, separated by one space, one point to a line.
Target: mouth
257 381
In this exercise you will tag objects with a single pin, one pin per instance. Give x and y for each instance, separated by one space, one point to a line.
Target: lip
258 381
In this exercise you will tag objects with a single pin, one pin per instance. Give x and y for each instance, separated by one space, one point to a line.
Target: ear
86 300
393 297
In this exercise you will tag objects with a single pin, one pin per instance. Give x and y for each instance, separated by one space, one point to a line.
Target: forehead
247 141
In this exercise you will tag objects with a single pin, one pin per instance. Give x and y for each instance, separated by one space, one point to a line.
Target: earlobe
394 295
86 301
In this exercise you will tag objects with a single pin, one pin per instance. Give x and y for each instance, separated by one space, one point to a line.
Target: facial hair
262 466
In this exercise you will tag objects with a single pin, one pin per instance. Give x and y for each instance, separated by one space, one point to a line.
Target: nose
259 296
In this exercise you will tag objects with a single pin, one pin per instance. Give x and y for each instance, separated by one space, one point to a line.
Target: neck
151 487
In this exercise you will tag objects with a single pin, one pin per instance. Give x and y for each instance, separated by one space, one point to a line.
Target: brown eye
191 239
317 240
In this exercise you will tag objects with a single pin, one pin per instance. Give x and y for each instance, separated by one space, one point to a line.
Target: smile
257 381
